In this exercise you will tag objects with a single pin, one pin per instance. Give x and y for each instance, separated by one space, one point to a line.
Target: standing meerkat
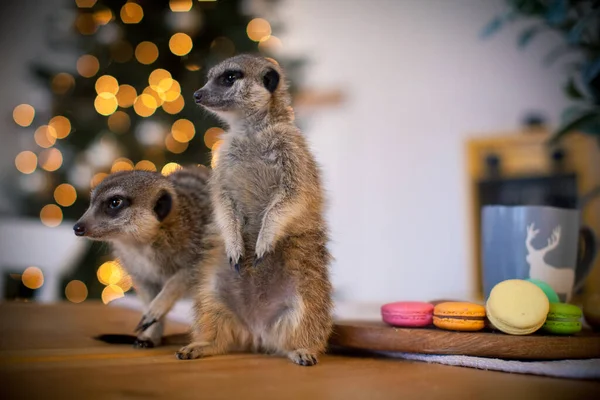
157 227
268 204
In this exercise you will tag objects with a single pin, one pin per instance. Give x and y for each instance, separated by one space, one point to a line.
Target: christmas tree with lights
126 103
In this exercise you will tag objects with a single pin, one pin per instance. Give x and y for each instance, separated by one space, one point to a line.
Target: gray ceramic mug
539 242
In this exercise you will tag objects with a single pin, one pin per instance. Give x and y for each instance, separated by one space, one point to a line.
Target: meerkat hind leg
303 357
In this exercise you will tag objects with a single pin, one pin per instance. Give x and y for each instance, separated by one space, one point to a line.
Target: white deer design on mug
561 279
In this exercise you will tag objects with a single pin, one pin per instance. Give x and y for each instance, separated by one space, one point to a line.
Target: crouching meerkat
268 204
156 226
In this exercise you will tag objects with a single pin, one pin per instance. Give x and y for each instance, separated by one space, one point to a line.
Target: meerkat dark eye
228 78
115 204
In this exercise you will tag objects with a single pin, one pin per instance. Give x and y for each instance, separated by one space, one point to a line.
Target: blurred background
419 113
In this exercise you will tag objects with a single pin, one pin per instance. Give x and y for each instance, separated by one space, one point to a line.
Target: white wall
419 82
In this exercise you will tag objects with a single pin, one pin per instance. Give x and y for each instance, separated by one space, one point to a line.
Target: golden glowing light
121 51
175 146
62 82
107 84
26 162
222 46
180 44
144 105
85 3
170 168
61 125
112 292
145 165
175 106
85 24
126 283
158 97
110 273
23 114
96 179
103 16
131 13
45 136
33 278
215 153
180 5
51 215
119 122
270 44
121 165
106 103
50 159
212 135
126 96
76 291
160 81
146 52
192 67
183 130
258 29
173 92
87 66
65 195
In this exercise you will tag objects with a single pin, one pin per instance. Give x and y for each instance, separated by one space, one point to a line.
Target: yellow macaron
517 307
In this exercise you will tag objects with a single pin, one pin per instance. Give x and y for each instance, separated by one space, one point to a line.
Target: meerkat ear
163 205
271 80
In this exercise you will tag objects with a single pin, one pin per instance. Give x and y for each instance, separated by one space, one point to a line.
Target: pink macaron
412 314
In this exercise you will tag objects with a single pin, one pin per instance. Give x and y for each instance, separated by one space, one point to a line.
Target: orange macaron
459 316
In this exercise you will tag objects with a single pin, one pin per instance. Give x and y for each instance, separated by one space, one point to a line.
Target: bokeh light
146 52
106 103
88 66
65 195
215 153
258 29
170 168
183 130
158 98
121 165
121 51
51 215
110 273
144 105
212 135
61 125
107 84
45 136
160 80
119 122
23 114
192 67
26 162
180 5
97 178
76 291
85 3
85 24
131 13
126 283
270 44
103 16
126 96
175 146
180 44
62 82
145 165
50 159
33 278
175 106
112 292
173 92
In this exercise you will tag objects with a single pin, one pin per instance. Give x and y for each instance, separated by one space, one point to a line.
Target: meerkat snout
79 229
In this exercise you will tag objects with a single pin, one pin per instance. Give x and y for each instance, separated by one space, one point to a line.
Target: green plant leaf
584 123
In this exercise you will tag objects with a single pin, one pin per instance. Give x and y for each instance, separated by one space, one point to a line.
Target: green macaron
563 319
548 291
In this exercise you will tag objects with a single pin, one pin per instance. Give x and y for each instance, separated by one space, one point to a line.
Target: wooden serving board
378 336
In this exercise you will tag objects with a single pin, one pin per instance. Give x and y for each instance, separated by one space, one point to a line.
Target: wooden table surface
49 351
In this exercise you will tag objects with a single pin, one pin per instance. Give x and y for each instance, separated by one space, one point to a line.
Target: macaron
459 316
412 314
517 307
563 319
547 289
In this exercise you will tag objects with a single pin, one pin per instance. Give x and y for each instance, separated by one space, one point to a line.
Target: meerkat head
244 86
127 206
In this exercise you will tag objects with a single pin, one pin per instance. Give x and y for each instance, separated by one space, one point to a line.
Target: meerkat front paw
235 251
142 343
192 351
303 357
264 245
147 321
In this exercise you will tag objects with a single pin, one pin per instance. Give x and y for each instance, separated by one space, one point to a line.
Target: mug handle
586 258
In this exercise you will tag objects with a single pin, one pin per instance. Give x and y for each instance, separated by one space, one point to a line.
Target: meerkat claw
257 260
143 344
145 324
